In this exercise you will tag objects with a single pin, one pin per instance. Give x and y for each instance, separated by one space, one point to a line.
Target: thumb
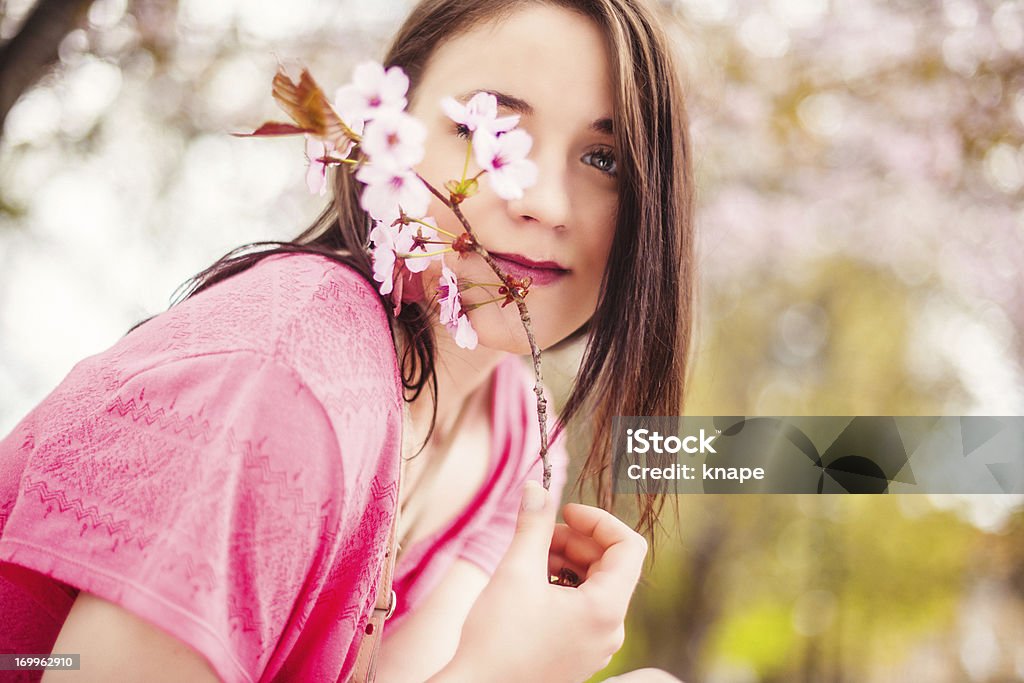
535 524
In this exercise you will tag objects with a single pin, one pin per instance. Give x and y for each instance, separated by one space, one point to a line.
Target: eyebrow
524 108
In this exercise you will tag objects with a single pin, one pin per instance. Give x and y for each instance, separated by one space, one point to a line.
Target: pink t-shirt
228 471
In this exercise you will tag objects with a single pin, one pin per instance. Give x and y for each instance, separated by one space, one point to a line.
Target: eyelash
607 154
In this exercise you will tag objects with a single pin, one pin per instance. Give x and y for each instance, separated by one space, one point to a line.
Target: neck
460 374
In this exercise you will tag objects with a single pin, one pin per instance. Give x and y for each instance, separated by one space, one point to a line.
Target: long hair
638 339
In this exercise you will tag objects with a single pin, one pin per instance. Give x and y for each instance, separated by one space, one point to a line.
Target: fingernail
534 496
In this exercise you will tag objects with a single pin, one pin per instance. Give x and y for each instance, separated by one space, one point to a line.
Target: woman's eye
603 160
462 130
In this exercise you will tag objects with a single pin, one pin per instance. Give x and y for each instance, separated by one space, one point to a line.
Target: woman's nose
546 202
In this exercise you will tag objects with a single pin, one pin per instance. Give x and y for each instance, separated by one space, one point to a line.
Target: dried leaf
274 128
328 160
309 107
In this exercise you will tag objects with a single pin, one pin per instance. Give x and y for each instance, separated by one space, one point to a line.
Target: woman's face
549 65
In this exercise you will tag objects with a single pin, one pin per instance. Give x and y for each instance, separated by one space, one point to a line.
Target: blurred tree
801 588
30 53
860 171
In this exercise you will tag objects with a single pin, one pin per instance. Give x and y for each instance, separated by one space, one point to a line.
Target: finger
534 525
616 573
647 675
559 563
583 550
606 530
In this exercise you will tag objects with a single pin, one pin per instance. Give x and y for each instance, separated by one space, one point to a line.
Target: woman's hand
523 628
647 675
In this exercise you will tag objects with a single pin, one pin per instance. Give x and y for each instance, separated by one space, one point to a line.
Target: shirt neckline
413 558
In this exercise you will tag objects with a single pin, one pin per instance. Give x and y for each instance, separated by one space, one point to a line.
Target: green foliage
744 367
759 634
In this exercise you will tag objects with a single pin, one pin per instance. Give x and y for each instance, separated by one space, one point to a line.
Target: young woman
211 497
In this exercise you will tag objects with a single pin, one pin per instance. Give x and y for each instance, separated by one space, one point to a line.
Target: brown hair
639 337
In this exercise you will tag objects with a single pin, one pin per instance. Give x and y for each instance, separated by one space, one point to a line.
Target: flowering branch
369 113
524 316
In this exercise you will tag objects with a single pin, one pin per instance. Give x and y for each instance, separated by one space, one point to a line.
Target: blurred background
860 175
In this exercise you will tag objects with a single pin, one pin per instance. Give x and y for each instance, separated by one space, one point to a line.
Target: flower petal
465 335
454 110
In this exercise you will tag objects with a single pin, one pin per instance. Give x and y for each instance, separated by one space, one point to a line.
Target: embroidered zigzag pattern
181 328
291 285
351 401
381 491
366 537
276 481
120 529
241 616
328 291
5 513
162 418
202 572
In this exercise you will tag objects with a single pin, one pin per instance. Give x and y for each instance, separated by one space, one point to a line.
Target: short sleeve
487 544
193 497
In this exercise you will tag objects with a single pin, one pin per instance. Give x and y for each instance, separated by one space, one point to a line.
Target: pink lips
540 272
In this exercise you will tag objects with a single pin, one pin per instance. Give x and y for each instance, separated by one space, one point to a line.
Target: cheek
428 280
466 270
597 247
443 156
595 250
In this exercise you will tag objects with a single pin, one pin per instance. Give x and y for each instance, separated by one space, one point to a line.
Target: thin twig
524 316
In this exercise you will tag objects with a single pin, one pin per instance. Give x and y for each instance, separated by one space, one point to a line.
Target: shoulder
329 320
307 311
296 333
254 308
208 484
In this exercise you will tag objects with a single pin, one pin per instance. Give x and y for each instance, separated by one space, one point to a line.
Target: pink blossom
388 241
371 91
393 266
318 149
465 335
452 314
394 139
448 291
504 159
316 172
418 236
390 191
480 113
